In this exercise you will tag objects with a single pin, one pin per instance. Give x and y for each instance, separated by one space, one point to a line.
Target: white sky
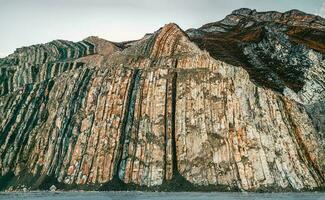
27 22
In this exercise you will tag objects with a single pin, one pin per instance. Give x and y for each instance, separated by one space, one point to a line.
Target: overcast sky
27 22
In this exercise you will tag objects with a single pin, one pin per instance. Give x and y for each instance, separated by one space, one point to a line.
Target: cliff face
236 104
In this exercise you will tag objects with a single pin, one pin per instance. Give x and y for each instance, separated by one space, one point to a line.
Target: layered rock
170 111
280 51
37 63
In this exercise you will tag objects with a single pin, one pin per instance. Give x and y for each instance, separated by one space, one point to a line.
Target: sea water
80 195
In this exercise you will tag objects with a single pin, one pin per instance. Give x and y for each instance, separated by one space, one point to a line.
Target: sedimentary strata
234 105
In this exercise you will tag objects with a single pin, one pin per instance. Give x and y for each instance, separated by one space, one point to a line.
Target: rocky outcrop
280 51
173 111
37 63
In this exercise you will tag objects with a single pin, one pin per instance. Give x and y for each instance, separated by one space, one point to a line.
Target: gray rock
52 188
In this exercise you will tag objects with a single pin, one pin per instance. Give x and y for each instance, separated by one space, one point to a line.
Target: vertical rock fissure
173 124
137 130
165 131
119 170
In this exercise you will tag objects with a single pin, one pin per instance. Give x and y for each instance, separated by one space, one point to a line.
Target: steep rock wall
160 114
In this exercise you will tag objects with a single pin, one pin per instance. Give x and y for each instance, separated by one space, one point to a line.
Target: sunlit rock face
234 105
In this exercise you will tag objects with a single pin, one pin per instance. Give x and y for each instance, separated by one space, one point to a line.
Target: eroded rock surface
173 111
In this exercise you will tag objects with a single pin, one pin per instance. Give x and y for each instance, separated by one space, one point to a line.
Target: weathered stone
168 111
52 188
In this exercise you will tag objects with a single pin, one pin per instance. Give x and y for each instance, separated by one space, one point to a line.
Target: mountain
234 105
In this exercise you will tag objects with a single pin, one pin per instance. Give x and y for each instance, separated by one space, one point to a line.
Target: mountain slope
228 106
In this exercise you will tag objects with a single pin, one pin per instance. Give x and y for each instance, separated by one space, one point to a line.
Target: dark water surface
157 196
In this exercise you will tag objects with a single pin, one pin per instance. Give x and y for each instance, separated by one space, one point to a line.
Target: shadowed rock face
234 105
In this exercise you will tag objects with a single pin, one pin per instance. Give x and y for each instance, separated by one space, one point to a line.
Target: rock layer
174 110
